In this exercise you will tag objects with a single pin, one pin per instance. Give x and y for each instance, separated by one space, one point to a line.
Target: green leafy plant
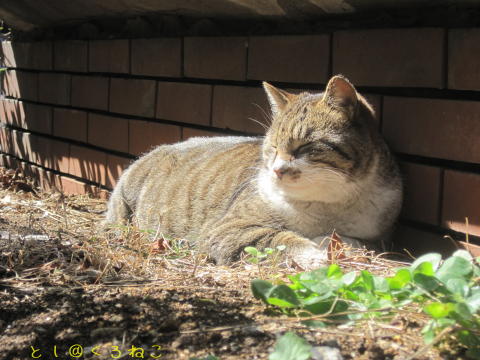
270 255
291 347
448 292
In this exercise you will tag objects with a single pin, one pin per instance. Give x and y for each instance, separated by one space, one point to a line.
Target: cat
321 166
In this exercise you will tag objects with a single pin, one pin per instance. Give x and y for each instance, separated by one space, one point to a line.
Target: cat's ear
278 98
340 93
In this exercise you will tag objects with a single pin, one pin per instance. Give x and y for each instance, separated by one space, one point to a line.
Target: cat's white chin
302 189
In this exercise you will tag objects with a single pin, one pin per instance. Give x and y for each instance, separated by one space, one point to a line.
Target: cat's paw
310 258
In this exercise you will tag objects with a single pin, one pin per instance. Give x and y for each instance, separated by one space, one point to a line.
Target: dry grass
51 240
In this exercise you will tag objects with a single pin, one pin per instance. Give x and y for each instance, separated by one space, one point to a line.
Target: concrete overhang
26 15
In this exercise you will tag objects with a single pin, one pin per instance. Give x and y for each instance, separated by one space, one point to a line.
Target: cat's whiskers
265 127
267 116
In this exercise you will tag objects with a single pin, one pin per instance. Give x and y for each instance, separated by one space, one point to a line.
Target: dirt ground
69 291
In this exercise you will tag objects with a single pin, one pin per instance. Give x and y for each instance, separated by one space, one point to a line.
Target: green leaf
432 258
457 286
426 282
283 296
473 301
439 310
334 272
380 284
425 268
251 250
315 275
319 307
401 278
351 295
367 279
261 289
454 267
291 347
463 311
319 287
463 254
349 278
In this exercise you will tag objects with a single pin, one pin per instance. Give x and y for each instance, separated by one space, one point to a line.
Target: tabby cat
321 166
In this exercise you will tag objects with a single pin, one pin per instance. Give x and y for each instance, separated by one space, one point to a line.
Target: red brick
6 144
54 88
445 129
88 164
184 102
71 55
190 132
60 155
390 57
289 58
28 55
90 92
234 107
42 151
115 167
144 135
157 57
422 192
20 84
461 199
11 162
110 56
8 56
52 154
38 118
419 242
215 57
70 124
132 97
108 132
24 147
73 187
463 52
12 112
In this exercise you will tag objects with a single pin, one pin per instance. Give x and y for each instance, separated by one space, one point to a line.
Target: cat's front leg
225 242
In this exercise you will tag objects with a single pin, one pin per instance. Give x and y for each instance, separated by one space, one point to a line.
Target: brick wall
76 113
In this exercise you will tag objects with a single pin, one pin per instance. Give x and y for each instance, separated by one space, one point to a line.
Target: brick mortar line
444 163
436 229
473 168
70 141
407 92
441 163
136 117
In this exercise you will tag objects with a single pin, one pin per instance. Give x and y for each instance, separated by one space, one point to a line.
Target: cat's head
317 144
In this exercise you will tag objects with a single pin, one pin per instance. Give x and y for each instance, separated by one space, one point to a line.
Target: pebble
326 353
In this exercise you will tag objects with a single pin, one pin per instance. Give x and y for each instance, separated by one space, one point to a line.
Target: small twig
427 347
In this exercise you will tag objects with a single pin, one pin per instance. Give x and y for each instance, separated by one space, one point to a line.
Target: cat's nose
280 172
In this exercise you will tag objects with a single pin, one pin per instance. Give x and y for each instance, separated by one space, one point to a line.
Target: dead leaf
335 249
159 246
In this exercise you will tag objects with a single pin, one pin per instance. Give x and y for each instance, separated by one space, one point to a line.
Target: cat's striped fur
321 166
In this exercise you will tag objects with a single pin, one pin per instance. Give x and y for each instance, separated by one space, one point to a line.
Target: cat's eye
303 149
